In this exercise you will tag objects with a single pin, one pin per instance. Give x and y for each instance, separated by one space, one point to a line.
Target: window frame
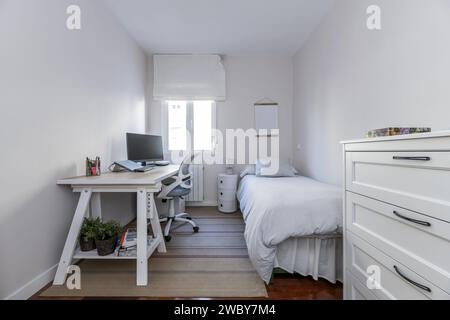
189 124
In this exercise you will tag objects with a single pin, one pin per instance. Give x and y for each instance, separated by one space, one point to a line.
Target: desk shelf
151 247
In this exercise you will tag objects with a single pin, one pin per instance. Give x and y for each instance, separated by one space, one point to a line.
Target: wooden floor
283 286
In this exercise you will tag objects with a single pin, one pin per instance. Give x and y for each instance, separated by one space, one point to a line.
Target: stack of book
395 131
128 243
127 246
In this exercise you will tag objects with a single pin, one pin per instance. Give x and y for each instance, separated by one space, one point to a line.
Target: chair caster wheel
196 229
167 238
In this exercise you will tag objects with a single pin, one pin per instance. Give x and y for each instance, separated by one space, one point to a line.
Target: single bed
293 223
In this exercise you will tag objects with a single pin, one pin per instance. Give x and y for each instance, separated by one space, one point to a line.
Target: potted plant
87 234
106 236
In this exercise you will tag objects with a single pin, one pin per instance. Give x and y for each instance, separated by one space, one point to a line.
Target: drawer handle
422 223
221 181
412 158
221 193
421 286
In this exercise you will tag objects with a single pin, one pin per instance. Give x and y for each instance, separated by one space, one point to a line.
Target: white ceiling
234 27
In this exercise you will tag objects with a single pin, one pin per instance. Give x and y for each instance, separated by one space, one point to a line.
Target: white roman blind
188 77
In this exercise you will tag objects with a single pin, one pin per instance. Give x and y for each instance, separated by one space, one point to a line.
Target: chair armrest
179 181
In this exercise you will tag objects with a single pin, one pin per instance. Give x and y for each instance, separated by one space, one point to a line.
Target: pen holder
93 167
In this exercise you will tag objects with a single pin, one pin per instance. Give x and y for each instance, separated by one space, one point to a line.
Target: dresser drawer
419 181
227 194
395 280
227 206
227 182
356 290
404 235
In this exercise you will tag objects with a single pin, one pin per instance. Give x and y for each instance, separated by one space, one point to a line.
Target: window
177 116
190 125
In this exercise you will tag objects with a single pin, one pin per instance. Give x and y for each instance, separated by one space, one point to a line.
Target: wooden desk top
151 177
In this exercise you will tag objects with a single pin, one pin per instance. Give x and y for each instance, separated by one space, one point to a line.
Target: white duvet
276 209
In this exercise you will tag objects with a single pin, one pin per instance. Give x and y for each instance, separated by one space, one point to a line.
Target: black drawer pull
221 181
422 223
412 158
221 193
421 286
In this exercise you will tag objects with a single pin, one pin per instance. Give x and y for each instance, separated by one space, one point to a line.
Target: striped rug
212 263
221 236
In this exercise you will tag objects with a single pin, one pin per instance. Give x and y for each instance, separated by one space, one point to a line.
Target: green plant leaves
96 229
107 230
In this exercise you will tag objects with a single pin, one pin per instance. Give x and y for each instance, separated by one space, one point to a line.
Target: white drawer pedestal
226 189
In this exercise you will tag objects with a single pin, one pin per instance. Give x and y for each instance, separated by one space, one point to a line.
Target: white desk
90 188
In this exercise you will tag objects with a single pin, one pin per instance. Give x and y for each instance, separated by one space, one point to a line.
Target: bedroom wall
64 95
249 79
349 80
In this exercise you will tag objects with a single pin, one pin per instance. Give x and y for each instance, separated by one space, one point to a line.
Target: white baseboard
34 285
201 204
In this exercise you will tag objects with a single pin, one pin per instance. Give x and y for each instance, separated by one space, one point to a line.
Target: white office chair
173 189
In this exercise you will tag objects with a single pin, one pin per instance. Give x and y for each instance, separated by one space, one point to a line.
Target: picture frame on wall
266 116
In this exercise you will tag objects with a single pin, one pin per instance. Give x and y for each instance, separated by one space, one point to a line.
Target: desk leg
96 205
154 220
71 241
141 262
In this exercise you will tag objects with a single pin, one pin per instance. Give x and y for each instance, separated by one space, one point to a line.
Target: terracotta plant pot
105 247
87 245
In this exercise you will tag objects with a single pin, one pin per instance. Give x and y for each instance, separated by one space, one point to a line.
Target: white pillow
250 169
263 169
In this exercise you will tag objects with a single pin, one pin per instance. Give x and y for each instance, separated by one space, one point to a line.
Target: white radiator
197 183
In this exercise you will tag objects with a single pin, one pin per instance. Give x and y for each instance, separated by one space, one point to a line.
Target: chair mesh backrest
186 164
185 168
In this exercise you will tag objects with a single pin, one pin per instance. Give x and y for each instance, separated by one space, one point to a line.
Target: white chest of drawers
397 217
226 189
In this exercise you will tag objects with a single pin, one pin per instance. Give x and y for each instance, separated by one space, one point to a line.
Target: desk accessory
93 167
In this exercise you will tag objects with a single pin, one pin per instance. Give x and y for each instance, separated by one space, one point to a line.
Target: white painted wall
249 79
349 80
64 95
